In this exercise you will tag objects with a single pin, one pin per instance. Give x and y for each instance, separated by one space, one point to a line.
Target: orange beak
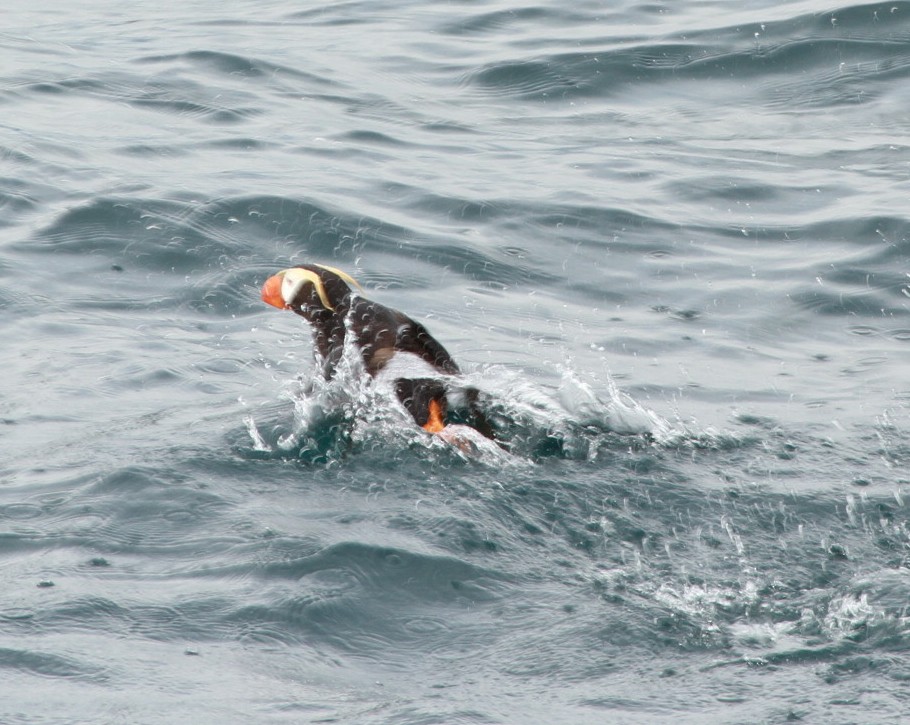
434 423
271 291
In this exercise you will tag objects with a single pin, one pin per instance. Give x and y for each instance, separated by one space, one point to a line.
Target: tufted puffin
323 296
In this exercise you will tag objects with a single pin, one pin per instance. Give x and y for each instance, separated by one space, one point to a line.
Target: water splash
619 413
580 418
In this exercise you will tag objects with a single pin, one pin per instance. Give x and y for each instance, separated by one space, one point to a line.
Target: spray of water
354 412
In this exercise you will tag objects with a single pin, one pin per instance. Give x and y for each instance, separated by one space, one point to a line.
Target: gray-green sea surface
667 241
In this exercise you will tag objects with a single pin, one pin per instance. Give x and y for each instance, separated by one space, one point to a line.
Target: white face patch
293 281
294 278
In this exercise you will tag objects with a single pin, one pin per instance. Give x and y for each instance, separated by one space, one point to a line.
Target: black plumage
324 298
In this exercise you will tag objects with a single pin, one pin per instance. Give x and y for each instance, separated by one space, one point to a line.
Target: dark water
669 242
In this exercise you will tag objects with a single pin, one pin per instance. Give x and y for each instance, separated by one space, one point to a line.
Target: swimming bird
324 297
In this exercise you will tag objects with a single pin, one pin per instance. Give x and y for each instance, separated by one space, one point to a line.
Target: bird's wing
413 337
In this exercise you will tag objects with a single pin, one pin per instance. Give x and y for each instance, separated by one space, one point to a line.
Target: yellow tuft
344 275
295 278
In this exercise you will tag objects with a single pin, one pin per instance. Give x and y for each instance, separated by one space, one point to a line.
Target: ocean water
668 241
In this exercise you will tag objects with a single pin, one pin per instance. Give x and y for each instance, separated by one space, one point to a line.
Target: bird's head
309 290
